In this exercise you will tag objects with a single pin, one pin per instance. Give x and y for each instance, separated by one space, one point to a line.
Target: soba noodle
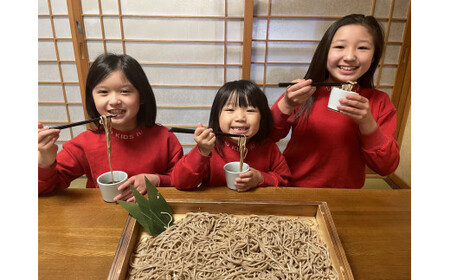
242 151
222 246
106 122
349 86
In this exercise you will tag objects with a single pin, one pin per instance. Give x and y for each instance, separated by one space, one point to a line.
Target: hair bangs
240 98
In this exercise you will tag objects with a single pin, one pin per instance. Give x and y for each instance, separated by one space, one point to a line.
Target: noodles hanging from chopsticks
222 246
106 122
242 151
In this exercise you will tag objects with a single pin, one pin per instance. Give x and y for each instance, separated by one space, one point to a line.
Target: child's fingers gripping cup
108 188
232 171
335 95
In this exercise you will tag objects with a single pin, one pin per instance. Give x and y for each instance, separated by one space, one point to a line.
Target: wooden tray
316 210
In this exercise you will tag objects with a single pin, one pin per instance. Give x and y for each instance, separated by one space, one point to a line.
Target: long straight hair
318 71
107 63
245 93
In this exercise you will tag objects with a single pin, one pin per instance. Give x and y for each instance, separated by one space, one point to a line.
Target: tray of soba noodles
235 239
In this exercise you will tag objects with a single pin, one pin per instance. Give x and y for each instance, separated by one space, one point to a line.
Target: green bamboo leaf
135 212
157 201
151 212
154 214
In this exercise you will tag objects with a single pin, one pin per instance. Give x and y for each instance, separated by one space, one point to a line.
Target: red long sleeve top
195 169
152 150
327 150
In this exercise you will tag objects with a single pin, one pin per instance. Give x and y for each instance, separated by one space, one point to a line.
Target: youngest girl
240 107
115 85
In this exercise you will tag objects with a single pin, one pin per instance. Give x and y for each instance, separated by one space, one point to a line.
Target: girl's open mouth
347 69
117 112
239 130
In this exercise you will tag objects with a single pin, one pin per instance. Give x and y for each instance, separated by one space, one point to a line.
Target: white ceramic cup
335 95
232 172
108 190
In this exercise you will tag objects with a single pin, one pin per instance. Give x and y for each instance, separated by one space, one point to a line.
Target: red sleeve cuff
372 140
45 173
278 116
164 180
268 180
197 160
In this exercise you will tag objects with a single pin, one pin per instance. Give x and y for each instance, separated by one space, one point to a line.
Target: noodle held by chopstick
222 246
242 151
349 86
106 122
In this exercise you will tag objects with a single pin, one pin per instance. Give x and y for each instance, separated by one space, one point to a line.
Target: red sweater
145 150
328 151
195 168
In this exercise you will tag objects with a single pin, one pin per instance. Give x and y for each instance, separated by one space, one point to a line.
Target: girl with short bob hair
240 107
116 86
330 149
242 93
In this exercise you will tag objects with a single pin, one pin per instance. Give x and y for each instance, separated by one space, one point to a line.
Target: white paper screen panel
322 8
176 7
184 75
184 95
174 29
186 52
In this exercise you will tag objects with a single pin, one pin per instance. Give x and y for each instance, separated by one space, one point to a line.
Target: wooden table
79 232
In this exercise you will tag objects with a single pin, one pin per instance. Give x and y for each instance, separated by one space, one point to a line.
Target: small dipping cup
109 190
232 172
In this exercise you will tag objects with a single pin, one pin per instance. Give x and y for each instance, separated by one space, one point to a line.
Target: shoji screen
188 49
58 90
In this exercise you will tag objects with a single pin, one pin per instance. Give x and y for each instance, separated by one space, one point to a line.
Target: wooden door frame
79 46
401 95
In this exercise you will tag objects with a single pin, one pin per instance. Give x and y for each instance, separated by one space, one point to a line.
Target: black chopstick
314 84
189 130
78 123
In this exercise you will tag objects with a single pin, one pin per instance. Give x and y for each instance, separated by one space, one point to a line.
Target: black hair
318 71
246 93
107 63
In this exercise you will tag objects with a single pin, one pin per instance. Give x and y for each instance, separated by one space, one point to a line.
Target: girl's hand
296 95
359 110
138 182
248 180
47 148
205 139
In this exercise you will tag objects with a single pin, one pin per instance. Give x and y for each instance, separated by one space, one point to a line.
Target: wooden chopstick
314 84
78 123
191 131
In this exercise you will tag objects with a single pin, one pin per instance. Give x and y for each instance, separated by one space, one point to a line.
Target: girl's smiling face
115 95
239 120
351 53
